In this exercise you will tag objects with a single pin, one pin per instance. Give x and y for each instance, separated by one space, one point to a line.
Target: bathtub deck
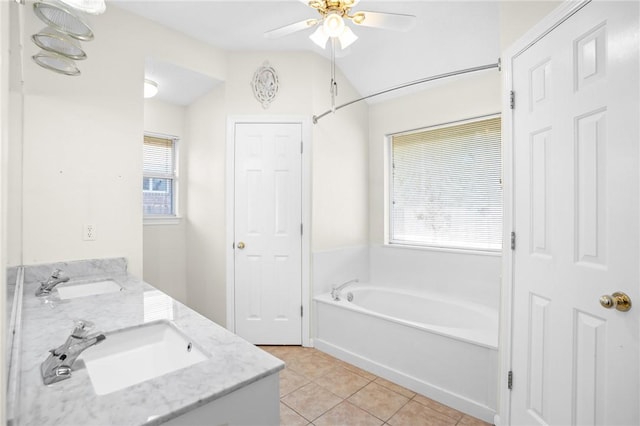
318 389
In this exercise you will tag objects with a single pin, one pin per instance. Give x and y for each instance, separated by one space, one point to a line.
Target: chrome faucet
55 279
58 364
335 292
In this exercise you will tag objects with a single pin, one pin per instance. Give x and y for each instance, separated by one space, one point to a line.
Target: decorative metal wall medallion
265 84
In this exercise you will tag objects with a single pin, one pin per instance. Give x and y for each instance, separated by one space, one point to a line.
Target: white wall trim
540 30
306 214
161 220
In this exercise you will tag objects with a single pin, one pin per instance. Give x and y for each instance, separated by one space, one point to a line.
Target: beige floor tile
378 400
415 414
342 382
312 367
396 388
441 408
288 353
290 381
311 401
288 417
358 371
346 414
314 385
327 356
472 421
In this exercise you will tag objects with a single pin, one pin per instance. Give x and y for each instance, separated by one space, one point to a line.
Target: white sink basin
72 291
134 355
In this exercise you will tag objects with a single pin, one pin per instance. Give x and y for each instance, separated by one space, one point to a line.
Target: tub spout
335 292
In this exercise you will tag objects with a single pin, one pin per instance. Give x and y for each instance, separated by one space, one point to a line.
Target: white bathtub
446 350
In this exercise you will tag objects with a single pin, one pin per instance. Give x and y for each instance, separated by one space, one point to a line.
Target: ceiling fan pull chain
334 84
334 93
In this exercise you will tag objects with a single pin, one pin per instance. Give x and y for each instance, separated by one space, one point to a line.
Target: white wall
339 163
518 16
82 149
206 232
81 152
340 181
165 244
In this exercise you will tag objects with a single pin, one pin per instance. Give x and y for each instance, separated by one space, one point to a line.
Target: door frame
305 122
559 15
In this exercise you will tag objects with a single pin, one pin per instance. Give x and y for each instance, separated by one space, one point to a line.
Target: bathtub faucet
335 292
55 279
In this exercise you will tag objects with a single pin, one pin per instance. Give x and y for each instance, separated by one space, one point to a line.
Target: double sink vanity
97 346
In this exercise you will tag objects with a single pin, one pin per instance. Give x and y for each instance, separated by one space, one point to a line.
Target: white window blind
446 187
159 176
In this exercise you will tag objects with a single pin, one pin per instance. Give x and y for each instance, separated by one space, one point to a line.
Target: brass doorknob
240 245
617 300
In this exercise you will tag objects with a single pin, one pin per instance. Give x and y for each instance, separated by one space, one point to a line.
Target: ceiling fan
331 23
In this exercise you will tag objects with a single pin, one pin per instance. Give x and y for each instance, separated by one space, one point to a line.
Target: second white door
576 220
268 232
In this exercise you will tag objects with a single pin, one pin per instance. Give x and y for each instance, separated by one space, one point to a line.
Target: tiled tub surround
233 365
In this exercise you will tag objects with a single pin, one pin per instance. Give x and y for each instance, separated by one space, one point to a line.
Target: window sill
472 252
161 220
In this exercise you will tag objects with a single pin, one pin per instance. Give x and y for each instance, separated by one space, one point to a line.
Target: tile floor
319 390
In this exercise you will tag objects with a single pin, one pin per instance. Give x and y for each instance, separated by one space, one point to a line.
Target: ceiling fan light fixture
320 37
347 38
333 24
150 88
54 41
94 7
358 18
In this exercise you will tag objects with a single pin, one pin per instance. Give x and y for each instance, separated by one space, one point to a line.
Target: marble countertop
46 322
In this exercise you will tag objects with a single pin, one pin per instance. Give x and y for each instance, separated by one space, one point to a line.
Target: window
159 178
446 186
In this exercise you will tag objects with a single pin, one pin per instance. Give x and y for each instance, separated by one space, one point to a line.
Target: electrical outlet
89 232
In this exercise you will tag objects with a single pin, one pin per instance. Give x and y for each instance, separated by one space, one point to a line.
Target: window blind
159 176
446 187
158 157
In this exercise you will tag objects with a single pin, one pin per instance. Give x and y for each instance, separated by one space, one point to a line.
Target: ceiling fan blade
291 28
387 21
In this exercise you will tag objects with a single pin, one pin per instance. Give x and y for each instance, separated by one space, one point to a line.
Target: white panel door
268 241
576 190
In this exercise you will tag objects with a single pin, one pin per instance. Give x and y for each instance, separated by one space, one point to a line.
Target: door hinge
301 229
512 99
301 147
301 311
513 240
510 380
